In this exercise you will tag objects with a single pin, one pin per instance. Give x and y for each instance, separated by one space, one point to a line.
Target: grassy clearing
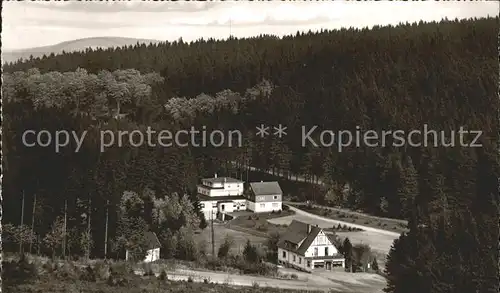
221 231
369 221
258 225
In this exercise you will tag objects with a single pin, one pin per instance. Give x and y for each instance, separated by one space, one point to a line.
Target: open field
220 232
258 224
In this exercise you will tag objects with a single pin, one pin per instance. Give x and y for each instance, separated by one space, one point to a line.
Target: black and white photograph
250 147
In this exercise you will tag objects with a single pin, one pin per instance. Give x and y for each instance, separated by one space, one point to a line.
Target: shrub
163 276
148 271
375 265
67 271
225 247
190 280
101 270
20 272
88 274
294 276
250 253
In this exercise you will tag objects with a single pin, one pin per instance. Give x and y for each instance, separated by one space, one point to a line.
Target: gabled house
264 197
307 247
153 251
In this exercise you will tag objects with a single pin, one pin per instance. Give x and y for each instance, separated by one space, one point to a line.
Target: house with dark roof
306 247
220 195
265 197
153 251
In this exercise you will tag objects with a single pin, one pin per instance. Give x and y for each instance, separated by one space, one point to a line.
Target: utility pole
89 212
106 231
247 167
65 227
33 222
212 233
22 225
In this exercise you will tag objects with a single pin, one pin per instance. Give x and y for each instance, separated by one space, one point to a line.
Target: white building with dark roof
265 197
223 195
306 247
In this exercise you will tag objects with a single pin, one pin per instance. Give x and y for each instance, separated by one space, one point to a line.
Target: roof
152 240
223 180
202 197
297 232
209 187
266 188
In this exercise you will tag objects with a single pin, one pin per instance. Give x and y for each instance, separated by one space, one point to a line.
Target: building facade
221 195
265 197
221 186
308 248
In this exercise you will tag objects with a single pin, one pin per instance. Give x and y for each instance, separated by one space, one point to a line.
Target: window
326 251
275 197
300 260
275 204
214 205
202 205
262 205
294 260
284 254
308 263
315 251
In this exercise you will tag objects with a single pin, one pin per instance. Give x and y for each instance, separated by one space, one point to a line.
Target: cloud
31 24
122 6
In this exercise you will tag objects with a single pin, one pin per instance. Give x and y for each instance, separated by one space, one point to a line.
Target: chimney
215 175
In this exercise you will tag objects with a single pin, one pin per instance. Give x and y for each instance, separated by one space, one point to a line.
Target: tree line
396 77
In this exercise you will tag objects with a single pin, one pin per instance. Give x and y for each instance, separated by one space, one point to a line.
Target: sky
34 24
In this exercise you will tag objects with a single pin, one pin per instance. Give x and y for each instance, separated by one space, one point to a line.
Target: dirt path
333 282
332 222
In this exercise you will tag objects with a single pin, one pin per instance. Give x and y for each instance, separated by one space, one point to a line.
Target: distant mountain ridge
71 46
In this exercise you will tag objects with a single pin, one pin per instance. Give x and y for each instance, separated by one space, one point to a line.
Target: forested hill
323 57
443 74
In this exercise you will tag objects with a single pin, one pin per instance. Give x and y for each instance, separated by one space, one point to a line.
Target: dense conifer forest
444 75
